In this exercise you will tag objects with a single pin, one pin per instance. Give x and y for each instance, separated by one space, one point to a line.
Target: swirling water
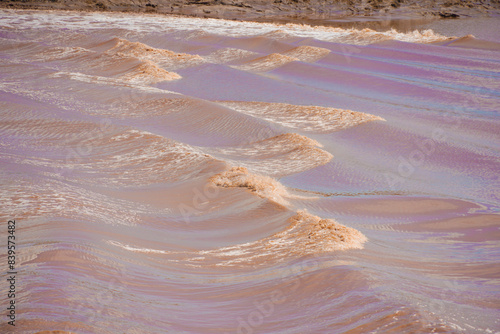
187 175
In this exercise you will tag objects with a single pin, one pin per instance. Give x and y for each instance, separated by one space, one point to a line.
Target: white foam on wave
277 156
227 55
305 118
62 53
308 54
163 23
137 249
161 57
306 234
131 81
26 198
103 154
266 63
263 186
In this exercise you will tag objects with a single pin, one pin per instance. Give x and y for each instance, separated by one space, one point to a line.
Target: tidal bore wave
186 175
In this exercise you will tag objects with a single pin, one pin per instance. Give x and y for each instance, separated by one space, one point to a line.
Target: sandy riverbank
318 11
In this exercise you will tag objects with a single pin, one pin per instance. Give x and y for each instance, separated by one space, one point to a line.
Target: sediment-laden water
186 175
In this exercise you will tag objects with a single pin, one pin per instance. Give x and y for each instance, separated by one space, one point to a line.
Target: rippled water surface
189 175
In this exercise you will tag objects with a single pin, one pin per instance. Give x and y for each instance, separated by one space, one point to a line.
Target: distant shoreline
374 14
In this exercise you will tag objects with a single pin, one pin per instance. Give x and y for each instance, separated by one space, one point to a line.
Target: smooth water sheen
187 175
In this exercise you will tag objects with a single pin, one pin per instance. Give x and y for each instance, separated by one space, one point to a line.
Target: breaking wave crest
228 55
263 186
277 156
305 118
163 58
266 63
306 234
147 73
121 60
309 54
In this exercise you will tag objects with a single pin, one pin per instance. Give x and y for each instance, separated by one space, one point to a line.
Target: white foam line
164 23
109 81
135 249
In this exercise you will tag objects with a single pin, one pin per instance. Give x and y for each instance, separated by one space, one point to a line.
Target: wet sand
296 11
